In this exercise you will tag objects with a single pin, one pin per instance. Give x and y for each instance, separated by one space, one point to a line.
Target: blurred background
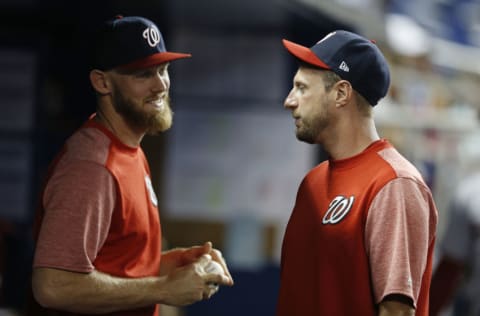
229 168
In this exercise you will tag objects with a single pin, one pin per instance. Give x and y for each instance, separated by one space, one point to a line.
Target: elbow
45 292
45 296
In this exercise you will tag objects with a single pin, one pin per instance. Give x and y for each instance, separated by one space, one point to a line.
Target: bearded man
98 232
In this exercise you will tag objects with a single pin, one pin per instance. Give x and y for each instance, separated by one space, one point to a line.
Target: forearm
396 305
95 292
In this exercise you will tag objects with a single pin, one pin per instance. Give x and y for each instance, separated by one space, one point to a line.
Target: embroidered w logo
338 209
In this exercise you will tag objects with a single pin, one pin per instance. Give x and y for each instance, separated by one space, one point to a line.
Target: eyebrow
299 81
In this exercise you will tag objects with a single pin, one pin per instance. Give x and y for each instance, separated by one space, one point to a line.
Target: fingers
211 280
210 290
218 257
200 276
193 253
208 246
197 251
203 261
214 272
203 254
219 279
209 276
189 284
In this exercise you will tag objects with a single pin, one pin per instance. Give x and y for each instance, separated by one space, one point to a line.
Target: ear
344 93
99 81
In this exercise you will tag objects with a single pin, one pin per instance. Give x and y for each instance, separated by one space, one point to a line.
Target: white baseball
214 267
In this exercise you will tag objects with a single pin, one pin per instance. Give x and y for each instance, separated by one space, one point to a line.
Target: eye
300 87
144 74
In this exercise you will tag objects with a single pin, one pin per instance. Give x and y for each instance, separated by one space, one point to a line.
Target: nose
162 82
290 101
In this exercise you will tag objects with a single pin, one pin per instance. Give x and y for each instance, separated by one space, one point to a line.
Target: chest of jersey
324 248
134 240
331 207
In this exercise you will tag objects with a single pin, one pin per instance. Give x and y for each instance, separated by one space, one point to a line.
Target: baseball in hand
214 267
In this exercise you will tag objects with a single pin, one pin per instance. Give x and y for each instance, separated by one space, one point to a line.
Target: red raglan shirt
99 211
362 228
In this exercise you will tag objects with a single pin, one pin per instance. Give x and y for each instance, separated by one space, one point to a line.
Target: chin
160 123
305 138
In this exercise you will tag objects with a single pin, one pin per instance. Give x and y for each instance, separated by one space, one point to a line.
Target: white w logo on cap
152 35
327 36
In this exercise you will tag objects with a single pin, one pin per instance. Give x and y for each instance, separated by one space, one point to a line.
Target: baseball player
98 247
361 235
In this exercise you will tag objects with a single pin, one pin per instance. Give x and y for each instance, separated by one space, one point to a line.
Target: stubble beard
311 128
305 135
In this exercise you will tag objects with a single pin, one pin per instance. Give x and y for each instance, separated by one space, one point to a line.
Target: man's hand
191 283
180 257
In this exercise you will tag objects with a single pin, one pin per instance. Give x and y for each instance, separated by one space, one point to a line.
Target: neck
350 139
116 124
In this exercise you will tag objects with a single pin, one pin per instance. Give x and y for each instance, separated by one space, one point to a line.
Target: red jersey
362 228
99 211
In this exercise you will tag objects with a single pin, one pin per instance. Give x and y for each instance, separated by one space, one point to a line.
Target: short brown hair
329 77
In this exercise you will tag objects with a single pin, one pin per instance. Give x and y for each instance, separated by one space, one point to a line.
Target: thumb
198 251
207 246
193 253
203 260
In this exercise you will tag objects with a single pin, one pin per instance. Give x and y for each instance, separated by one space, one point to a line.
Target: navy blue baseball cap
352 58
131 42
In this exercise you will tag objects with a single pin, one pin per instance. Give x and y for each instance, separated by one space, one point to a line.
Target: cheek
138 93
316 108
129 89
310 105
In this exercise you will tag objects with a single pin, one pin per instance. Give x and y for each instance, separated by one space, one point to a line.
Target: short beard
306 136
153 122
312 127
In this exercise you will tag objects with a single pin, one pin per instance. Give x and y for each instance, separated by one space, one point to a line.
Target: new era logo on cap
344 67
353 58
130 43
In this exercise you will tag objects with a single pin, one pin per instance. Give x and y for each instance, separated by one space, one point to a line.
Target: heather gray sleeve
398 233
79 200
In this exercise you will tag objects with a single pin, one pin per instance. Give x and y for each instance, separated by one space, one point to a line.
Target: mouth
158 103
297 121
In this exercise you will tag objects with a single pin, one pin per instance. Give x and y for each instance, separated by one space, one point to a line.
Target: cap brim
305 54
155 59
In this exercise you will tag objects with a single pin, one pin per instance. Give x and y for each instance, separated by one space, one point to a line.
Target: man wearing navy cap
361 235
98 235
